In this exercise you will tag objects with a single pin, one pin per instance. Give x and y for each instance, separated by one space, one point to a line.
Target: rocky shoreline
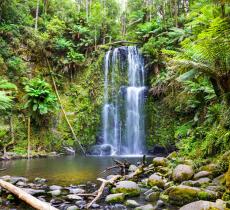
165 184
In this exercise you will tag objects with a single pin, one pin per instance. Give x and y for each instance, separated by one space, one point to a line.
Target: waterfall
123 129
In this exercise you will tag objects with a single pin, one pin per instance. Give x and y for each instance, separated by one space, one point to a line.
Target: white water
123 116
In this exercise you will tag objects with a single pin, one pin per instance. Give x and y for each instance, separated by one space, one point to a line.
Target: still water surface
62 170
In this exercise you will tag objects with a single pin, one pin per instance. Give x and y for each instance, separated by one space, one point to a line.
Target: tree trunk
45 6
28 138
63 110
87 9
176 12
215 87
12 130
37 13
27 198
224 84
223 9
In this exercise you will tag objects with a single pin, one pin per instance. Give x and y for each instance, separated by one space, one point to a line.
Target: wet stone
33 192
40 180
72 208
55 187
132 203
95 206
55 192
76 190
74 197
80 203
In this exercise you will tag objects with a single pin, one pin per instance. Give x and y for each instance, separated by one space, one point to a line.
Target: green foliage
6 89
39 96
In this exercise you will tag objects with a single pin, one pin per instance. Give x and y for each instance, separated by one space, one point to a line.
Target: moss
206 196
126 191
115 198
226 196
154 182
10 197
182 195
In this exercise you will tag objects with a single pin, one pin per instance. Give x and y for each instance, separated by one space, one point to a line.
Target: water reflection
61 170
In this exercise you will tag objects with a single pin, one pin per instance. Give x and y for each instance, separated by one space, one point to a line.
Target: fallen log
102 187
27 198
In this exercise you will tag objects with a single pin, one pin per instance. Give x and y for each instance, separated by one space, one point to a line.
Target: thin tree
36 17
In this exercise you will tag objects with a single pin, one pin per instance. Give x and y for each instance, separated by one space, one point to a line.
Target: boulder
202 205
202 174
181 194
210 167
72 208
159 161
156 180
145 207
160 204
129 188
16 179
197 183
55 192
68 151
95 206
76 191
220 180
21 184
132 168
131 203
115 198
55 187
74 197
182 173
33 192
152 197
40 180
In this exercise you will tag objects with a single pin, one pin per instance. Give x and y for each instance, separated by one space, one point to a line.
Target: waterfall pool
63 170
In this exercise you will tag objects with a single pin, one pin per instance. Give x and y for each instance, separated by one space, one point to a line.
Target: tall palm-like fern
209 54
5 94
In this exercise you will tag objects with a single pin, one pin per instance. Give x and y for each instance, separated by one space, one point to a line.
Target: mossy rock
226 196
131 203
181 195
182 173
146 207
115 198
207 196
156 180
153 197
129 188
172 156
210 167
160 161
202 205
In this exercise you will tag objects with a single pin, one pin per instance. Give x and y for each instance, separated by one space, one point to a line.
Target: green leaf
187 76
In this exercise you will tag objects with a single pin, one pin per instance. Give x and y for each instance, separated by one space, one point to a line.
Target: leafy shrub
39 96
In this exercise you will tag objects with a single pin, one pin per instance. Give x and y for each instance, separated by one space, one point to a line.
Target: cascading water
123 110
